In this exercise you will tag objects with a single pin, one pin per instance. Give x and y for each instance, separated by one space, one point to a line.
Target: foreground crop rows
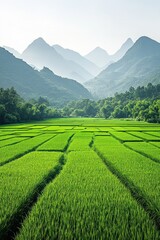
85 202
146 149
141 172
11 152
20 180
112 195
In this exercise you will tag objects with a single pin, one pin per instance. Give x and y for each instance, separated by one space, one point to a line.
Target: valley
79 120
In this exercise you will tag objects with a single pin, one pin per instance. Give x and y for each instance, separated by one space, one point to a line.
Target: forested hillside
30 83
139 66
14 109
142 103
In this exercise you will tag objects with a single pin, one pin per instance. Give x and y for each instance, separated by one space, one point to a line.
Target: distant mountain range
13 51
99 56
122 51
73 56
134 64
40 54
102 59
66 62
31 83
139 66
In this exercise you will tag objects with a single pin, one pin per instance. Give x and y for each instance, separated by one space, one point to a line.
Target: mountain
77 58
67 89
98 56
139 66
13 51
102 59
41 54
31 83
122 51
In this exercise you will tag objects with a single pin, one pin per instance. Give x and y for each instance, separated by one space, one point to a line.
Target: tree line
14 109
142 103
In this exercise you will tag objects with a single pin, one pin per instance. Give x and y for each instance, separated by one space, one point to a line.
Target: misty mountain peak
38 45
144 40
40 39
127 44
90 68
99 56
129 41
99 50
38 42
144 47
40 54
139 66
123 49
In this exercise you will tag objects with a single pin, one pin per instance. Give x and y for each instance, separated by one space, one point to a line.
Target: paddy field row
80 179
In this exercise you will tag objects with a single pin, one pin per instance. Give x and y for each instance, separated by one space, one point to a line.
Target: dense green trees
142 103
14 109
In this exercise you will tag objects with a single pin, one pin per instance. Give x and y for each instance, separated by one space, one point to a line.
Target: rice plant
20 179
86 201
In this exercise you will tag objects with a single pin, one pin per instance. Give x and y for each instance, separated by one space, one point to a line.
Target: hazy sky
78 24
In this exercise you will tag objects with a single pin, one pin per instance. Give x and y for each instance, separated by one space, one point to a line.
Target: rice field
80 179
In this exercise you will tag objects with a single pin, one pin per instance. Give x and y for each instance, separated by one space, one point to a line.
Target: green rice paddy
80 179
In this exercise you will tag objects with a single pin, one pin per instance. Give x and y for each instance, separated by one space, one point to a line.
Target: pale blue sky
78 24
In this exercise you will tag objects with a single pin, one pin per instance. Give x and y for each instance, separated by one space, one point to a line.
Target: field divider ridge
59 143
77 202
144 138
124 143
135 191
142 153
23 153
23 210
15 228
14 142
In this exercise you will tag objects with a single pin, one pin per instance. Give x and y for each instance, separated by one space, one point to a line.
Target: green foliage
132 104
142 104
84 108
14 109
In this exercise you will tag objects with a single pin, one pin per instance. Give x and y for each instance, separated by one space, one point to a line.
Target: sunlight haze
78 24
